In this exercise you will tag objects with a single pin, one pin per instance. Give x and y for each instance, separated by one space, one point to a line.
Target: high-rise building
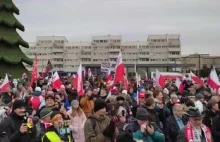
157 51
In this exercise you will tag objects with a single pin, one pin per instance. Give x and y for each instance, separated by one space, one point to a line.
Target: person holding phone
14 126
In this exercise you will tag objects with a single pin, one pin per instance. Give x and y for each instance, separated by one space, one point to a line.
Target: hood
97 118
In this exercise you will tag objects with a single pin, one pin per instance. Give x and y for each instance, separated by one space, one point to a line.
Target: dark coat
172 128
216 128
11 126
207 120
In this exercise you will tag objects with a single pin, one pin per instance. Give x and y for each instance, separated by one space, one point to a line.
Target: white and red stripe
179 85
119 69
213 81
160 80
196 79
78 81
5 84
56 82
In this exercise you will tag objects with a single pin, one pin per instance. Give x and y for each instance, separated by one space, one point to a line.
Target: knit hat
55 115
74 102
99 104
199 96
142 114
18 104
38 89
45 113
125 92
208 90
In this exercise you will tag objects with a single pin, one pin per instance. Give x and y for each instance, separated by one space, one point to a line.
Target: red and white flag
109 77
35 73
213 81
56 82
5 84
126 83
196 79
89 73
78 81
160 80
179 85
119 70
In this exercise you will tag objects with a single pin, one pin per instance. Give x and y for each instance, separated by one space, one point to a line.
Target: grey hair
176 106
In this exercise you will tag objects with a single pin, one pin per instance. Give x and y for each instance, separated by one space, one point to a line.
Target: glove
109 130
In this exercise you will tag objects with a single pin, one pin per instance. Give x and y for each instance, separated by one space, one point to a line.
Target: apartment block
162 52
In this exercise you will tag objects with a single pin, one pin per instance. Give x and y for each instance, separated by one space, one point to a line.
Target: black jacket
172 128
207 120
11 126
216 129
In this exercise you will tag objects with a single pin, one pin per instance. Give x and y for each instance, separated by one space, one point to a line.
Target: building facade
162 52
201 61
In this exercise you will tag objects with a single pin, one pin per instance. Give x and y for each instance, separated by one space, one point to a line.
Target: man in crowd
195 130
174 123
15 126
87 102
99 127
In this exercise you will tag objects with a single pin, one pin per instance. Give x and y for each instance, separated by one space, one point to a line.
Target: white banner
105 67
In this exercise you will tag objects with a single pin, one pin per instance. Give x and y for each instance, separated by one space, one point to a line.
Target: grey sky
197 21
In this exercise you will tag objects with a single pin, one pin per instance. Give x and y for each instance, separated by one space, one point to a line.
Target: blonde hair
76 112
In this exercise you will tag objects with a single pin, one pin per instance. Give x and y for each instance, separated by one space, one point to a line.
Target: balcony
85 56
59 56
174 56
174 49
112 56
143 56
114 50
57 62
57 50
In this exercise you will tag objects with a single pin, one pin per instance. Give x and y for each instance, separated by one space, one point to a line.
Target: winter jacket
216 128
172 128
96 134
77 126
208 119
87 105
11 126
156 137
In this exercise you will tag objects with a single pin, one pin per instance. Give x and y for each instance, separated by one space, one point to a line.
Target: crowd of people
144 113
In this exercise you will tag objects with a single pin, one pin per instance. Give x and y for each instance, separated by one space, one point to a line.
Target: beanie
74 102
45 112
55 115
99 104
142 114
18 104
199 96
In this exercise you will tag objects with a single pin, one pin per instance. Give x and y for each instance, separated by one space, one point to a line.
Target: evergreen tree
11 56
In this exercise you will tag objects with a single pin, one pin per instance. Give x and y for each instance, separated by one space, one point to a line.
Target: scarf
46 125
193 136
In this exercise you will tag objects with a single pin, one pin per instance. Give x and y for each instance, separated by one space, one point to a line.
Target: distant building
162 52
201 61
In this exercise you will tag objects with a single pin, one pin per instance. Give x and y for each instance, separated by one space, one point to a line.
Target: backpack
3 135
93 122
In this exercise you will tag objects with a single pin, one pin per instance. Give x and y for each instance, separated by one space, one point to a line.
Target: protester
77 120
174 123
15 126
194 130
99 127
87 102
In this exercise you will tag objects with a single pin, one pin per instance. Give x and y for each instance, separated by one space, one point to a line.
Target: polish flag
35 73
179 85
56 82
119 69
89 73
196 79
5 84
78 81
109 77
213 81
126 83
160 80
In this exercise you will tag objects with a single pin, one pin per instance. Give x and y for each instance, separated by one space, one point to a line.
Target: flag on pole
78 81
48 68
5 84
196 79
179 85
213 81
35 73
56 82
119 70
109 77
160 80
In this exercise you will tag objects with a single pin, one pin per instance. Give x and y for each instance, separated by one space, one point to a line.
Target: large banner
105 67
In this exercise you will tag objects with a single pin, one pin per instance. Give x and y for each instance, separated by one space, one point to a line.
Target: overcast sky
197 21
